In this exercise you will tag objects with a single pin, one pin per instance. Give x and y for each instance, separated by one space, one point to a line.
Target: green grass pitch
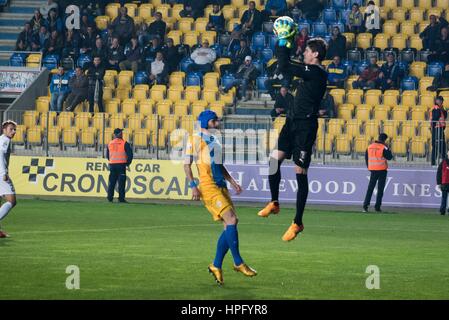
161 251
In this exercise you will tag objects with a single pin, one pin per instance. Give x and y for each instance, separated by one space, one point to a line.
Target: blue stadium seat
329 15
149 60
227 79
70 73
340 24
304 24
319 29
51 61
344 15
193 79
409 83
183 65
435 69
267 54
403 66
339 4
258 41
83 59
141 77
259 66
349 65
17 59
260 84
360 66
351 3
218 49
272 41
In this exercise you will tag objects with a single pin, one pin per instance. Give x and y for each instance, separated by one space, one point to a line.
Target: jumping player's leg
274 178
222 249
5 209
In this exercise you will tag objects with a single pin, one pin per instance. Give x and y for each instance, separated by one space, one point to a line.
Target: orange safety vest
117 153
441 123
376 160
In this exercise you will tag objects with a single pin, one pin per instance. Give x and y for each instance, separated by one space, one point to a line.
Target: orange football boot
292 232
271 207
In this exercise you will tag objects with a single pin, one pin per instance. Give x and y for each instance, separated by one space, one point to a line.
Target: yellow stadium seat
345 111
185 24
164 9
201 24
140 92
177 78
362 112
43 104
442 4
175 93
424 83
399 41
418 147
391 97
407 4
324 143
102 22
408 28
69 137
424 4
418 113
33 60
389 4
125 78
192 93
381 112
361 144
163 107
409 98
157 92
87 136
398 14
176 36
390 128
208 10
129 106
145 10
238 3
364 40
445 95
112 10
372 128
99 120
108 93
427 99
108 136
343 145
160 138
219 62
338 95
146 107
54 136
424 130
191 38
127 134
187 122
176 10
47 118
417 15
228 11
399 146
117 121
372 97
132 9
181 108
197 108
335 126
140 139
210 80
354 96
390 27
228 98
352 128
218 107
109 79
169 123
82 120
416 42
210 95
112 106
135 121
422 26
408 129
34 136
210 36
399 113
19 137
65 120
151 123
381 41
123 93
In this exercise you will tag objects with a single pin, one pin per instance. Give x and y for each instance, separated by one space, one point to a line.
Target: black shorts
297 138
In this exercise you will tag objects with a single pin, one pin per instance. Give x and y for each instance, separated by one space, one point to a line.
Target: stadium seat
381 41
112 10
218 108
266 55
193 79
134 121
362 112
418 113
201 24
424 130
108 136
140 92
350 38
372 128
258 41
408 28
145 10
42 104
335 126
124 79
391 97
424 83
190 38
232 23
372 97
408 129
435 69
219 62
174 93
361 144
260 84
398 14
354 96
19 138
399 41
442 4
83 60
151 123
163 107
102 22
192 93
390 27
157 92
416 42
417 14
117 121
399 113
181 108
338 95
210 95
69 137
87 137
51 61
197 108
210 80
82 120
390 128
65 120
399 146
17 59
409 83
364 40
54 137
169 123
434 11
141 77
381 112
343 145
47 119
345 111
112 106
409 98
319 29
210 36
33 60
329 15
145 107
99 120
324 143
418 147
34 136
352 128
129 106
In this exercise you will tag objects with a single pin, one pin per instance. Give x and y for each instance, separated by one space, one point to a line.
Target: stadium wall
165 179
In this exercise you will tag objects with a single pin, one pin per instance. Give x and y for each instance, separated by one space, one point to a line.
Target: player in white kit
6 187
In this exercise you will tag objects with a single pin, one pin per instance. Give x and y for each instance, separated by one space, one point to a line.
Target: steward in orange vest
438 118
120 154
376 157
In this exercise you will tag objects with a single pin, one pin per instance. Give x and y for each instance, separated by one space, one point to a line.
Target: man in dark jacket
337 44
157 27
26 36
198 7
237 58
246 73
216 20
78 85
123 26
95 91
431 33
171 55
133 55
438 125
284 100
442 47
443 182
369 78
115 55
389 76
252 20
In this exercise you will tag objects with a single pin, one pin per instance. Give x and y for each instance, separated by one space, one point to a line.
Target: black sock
274 178
301 196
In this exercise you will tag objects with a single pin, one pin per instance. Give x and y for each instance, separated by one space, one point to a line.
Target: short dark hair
439 98
318 45
383 137
371 3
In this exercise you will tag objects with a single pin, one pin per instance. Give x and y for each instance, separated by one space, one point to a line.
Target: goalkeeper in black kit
298 135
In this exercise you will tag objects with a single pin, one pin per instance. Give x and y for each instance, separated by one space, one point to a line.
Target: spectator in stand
372 18
327 106
157 27
203 58
216 20
154 47
95 74
100 50
108 36
245 75
78 85
37 21
442 48
301 42
84 24
443 182
337 74
40 40
431 33
133 55
171 54
55 44
88 40
187 12
142 34
438 125
276 8
441 82
283 103
337 44
21 46
59 88
45 9
53 22
158 70
198 7
311 9
72 44
355 19
123 26
115 55
237 58
369 78
26 36
251 20
390 73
